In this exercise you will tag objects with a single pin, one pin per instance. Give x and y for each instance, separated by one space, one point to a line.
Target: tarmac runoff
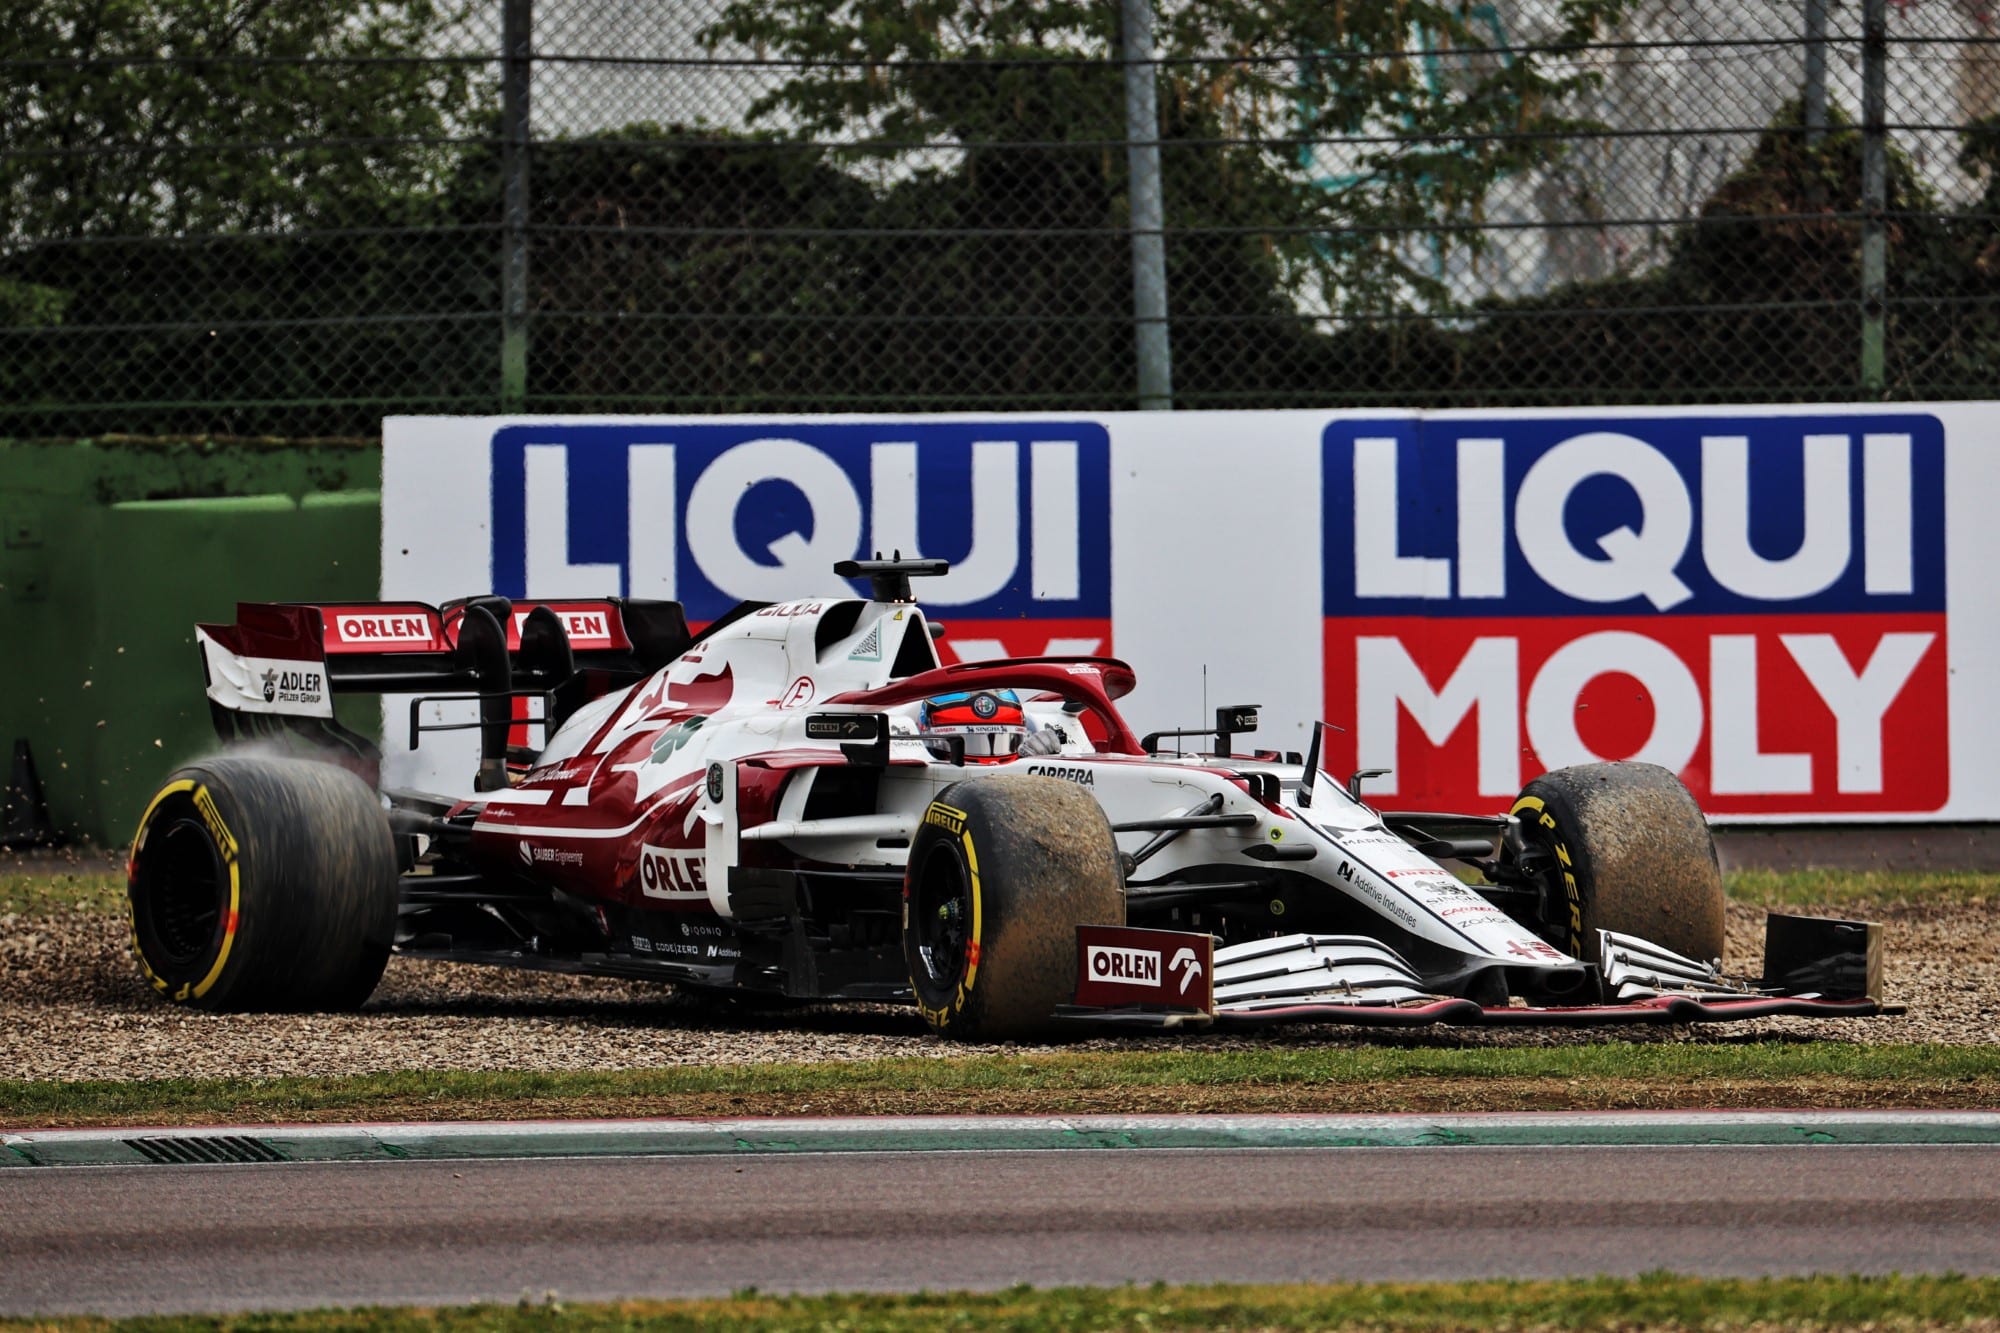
504 1140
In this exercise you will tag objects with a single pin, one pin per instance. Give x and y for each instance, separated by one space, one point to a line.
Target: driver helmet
991 722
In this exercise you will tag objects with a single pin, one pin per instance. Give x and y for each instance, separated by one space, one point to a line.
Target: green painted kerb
703 1138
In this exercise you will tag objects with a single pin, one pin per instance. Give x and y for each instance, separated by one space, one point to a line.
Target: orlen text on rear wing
273 673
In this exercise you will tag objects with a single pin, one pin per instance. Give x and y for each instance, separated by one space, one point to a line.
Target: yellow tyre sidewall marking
225 843
1571 890
972 947
949 818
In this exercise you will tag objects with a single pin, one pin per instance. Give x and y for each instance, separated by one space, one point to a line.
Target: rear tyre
260 882
1002 872
1623 847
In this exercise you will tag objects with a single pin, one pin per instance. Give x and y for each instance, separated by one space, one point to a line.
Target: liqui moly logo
1756 602
709 513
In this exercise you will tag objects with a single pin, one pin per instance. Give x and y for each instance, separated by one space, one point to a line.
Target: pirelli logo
948 818
224 842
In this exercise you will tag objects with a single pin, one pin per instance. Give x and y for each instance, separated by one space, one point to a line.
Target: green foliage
1019 291
266 216
165 117
194 194
1758 299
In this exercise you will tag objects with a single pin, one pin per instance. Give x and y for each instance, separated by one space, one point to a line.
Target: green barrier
102 581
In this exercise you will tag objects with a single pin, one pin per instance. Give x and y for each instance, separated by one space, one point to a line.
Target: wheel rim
941 917
181 893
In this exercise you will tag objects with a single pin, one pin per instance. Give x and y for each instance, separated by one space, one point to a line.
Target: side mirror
1361 775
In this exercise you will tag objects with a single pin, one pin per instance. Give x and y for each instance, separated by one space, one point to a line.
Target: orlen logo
710 514
1131 967
388 631
1755 602
672 872
586 629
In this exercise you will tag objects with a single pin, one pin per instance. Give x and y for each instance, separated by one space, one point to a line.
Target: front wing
1354 979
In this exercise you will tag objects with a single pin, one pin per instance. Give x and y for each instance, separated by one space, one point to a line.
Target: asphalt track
702 1209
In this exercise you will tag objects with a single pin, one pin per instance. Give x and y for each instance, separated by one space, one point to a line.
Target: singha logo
270 686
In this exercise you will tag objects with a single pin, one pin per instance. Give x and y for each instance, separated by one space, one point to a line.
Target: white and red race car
801 802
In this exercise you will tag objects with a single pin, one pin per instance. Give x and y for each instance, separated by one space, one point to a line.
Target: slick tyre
1623 847
1002 871
262 882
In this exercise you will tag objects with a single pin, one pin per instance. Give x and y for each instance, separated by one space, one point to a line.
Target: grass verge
1654 1301
1834 890
1606 1076
38 892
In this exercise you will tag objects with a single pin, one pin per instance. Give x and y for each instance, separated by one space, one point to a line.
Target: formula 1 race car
801 802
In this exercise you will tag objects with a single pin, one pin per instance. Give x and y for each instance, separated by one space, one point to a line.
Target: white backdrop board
1791 606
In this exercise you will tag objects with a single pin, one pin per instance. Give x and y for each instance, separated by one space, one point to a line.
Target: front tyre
261 882
1622 847
1002 871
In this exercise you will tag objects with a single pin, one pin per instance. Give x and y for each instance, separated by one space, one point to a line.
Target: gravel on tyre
263 882
1631 853
1002 871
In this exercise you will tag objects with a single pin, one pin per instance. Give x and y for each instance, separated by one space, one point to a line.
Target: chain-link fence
281 218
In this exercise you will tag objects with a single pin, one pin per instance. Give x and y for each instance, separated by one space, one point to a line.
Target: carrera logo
1083 777
383 630
1129 967
672 872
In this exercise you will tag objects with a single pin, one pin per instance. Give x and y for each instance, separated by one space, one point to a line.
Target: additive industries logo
712 513
1755 602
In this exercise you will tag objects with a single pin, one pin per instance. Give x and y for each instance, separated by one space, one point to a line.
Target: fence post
1874 191
516 40
1815 90
1149 242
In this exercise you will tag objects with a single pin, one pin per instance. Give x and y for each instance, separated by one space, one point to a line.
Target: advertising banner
1788 606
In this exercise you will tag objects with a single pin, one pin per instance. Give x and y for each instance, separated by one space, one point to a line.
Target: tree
170 117
1420 116
189 189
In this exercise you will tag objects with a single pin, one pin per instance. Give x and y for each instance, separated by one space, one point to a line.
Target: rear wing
276 669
